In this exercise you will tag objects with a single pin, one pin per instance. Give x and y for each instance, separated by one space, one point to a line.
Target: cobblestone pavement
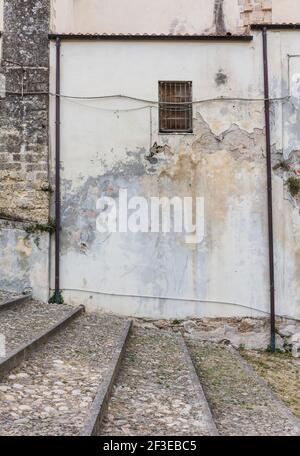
241 406
281 372
6 296
154 394
22 322
51 393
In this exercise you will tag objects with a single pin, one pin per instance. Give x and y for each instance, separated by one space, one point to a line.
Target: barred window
175 107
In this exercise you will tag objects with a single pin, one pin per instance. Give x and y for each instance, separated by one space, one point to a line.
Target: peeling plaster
223 161
223 168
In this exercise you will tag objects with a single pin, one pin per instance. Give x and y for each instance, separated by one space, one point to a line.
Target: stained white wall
140 16
103 150
286 11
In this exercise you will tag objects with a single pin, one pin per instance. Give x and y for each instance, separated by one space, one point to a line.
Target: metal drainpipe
57 294
269 189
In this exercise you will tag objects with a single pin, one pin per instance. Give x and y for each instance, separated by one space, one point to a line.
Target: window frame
168 131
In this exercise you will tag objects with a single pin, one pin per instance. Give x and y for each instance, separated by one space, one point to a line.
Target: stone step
241 403
21 323
53 391
157 391
14 301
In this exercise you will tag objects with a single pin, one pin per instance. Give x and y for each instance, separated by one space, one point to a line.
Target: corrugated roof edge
113 36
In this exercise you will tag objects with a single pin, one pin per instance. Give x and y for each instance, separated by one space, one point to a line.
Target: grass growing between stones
281 372
240 405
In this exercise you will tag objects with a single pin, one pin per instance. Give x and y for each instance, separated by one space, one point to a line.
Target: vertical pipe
269 188
57 174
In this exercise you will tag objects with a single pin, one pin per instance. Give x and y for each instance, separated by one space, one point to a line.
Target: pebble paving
51 393
6 296
22 322
154 393
240 404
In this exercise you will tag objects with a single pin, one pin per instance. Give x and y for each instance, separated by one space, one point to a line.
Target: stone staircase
66 372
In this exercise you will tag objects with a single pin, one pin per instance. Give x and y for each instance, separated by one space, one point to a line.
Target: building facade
160 102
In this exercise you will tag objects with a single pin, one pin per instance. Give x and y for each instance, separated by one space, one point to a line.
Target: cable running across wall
151 103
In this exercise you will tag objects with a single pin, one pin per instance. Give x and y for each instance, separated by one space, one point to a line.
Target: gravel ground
154 393
6 296
281 372
22 322
241 406
51 393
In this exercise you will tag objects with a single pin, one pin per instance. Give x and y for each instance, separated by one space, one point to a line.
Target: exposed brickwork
256 11
24 118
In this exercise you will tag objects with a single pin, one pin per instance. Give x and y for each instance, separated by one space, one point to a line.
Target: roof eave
269 26
137 37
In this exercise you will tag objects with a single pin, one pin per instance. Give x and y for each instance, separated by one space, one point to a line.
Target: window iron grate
175 107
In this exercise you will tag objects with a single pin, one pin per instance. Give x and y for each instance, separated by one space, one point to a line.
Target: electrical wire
105 293
176 107
116 110
128 97
23 66
155 102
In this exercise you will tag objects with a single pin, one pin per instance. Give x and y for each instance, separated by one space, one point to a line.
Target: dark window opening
175 107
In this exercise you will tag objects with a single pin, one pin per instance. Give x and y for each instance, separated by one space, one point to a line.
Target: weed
57 298
176 322
293 185
49 227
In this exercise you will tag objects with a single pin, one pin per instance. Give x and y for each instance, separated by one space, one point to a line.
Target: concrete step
157 391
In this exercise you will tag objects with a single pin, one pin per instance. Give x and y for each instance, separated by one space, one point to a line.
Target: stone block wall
256 11
24 112
24 106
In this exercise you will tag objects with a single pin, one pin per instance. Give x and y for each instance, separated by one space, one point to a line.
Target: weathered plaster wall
286 11
104 149
24 129
142 16
23 261
184 16
223 161
284 81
